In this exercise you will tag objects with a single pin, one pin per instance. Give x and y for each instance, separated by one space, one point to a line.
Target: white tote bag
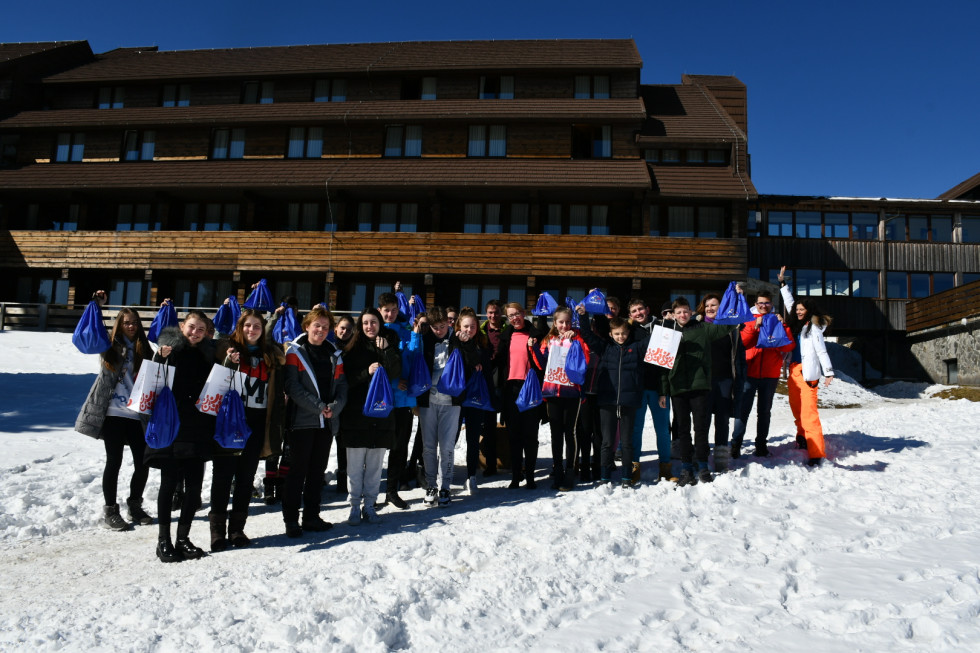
215 389
557 353
147 386
662 349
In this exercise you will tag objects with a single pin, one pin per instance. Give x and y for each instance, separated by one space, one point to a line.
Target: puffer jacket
92 415
619 367
192 365
306 406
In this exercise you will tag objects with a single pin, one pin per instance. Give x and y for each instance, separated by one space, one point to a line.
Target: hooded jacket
306 403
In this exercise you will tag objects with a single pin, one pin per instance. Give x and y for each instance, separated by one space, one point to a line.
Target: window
137 217
711 222
865 283
652 156
211 217
754 223
497 87
403 141
717 156
919 284
552 220
301 290
592 86
52 291
363 295
6 89
836 225
8 150
487 141
942 281
519 218
941 228
970 229
330 90
694 156
257 92
895 228
482 218
692 222
201 292
428 88
306 216
918 227
591 141
305 142
680 221
780 223
970 277
423 88
176 95
476 295
864 226
897 285
138 145
588 220
808 224
952 372
809 283
690 295
70 147
111 97
126 292
836 283
670 156
388 216
228 144
52 217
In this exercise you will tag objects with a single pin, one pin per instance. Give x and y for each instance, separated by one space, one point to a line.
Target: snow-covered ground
878 551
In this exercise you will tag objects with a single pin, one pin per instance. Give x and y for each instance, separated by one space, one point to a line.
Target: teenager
342 334
468 329
492 328
641 318
404 404
105 416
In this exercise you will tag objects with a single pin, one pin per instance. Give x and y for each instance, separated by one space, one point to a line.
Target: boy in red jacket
764 365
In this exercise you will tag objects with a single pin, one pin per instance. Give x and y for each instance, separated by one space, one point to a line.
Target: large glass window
302 216
753 223
970 229
919 284
211 217
897 285
497 87
519 218
139 145
305 142
330 90
137 217
808 224
403 141
591 141
942 228
809 283
865 283
126 292
364 295
487 140
895 227
257 92
301 290
111 97
70 148
942 281
711 222
836 282
836 225
390 217
204 293
780 223
680 221
552 220
592 86
428 88
482 218
52 291
228 144
865 226
476 295
176 95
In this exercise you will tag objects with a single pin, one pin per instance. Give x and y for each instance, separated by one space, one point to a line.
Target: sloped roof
684 111
969 189
340 173
11 51
418 56
701 181
613 110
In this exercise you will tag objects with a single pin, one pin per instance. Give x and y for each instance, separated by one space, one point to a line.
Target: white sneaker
471 485
431 495
355 516
370 515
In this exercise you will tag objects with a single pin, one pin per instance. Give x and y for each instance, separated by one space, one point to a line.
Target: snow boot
635 475
815 462
397 501
704 475
236 529
721 459
293 529
761 449
136 512
166 551
736 451
184 545
800 442
567 482
270 485
112 520
687 477
218 522
557 474
665 472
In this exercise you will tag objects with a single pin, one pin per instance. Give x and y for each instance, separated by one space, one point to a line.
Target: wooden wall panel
544 140
416 253
71 97
184 142
624 85
144 95
943 308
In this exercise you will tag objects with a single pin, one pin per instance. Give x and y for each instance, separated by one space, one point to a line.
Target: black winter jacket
357 430
620 369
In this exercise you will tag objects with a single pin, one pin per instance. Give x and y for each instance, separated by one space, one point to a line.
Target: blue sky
855 98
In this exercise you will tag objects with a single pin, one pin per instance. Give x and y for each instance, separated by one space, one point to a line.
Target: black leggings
241 468
116 433
475 418
563 414
172 472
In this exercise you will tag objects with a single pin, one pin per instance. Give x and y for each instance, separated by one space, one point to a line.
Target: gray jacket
304 407
92 416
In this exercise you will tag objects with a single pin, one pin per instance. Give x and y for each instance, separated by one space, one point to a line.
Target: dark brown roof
578 54
340 173
701 181
10 51
969 189
614 110
685 112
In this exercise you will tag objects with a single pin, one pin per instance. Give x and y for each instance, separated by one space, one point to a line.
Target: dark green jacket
692 366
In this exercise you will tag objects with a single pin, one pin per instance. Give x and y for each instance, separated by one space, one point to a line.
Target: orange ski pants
803 403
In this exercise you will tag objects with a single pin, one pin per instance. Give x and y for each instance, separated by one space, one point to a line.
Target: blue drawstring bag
403 305
477 393
231 430
287 328
530 395
227 316
415 309
575 363
165 317
452 382
260 298
595 302
570 303
772 333
91 336
546 305
733 308
378 402
419 377
161 431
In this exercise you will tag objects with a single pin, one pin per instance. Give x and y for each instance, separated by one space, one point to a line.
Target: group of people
301 396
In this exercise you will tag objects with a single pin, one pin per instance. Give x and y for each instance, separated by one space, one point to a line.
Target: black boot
184 545
136 512
761 449
218 522
166 551
557 474
112 520
800 442
269 495
236 529
396 501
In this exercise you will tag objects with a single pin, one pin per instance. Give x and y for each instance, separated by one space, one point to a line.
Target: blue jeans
661 423
766 388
